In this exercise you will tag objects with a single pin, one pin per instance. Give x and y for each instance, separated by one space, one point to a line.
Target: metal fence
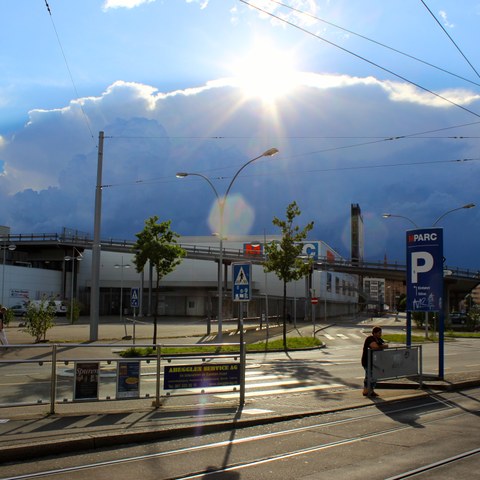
68 373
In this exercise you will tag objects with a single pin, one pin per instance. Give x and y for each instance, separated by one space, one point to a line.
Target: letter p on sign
422 262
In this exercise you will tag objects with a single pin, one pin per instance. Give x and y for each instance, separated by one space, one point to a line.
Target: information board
128 379
201 376
86 381
395 362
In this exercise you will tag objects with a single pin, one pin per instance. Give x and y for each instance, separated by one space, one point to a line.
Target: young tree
284 258
39 318
157 243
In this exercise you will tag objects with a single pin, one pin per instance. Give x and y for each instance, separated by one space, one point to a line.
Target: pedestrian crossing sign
134 297
242 277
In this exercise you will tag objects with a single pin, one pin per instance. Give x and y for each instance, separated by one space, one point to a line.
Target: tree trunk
285 316
155 312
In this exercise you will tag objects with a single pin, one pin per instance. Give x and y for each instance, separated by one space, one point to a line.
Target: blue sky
204 86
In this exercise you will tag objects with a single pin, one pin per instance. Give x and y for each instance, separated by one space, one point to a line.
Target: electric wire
168 178
84 115
364 59
450 38
375 42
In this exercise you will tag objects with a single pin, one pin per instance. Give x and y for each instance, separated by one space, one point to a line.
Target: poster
128 379
201 376
86 381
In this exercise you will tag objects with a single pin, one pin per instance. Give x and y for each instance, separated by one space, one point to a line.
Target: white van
60 307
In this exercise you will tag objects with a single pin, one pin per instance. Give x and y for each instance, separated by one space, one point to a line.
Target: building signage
201 376
425 270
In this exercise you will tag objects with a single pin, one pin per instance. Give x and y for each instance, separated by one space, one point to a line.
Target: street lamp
11 248
221 209
73 258
122 266
389 215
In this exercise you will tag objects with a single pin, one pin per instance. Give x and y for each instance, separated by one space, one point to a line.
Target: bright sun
265 72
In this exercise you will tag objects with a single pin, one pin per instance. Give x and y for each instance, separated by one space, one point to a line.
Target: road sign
314 300
134 297
425 270
242 277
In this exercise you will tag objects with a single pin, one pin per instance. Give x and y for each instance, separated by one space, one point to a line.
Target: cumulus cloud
331 132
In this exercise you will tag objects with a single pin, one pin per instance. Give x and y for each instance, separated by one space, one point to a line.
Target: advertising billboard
425 270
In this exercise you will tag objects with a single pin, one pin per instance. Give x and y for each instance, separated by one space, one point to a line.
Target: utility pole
95 286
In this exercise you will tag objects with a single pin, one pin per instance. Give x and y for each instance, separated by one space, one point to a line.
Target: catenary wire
360 57
375 42
450 38
84 115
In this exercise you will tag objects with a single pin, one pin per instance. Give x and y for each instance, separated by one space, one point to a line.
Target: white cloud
50 163
124 3
444 17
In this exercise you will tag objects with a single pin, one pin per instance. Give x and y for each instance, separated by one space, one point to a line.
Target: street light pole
73 259
221 211
122 266
10 247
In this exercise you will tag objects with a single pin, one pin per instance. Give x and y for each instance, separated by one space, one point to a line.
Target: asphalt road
435 437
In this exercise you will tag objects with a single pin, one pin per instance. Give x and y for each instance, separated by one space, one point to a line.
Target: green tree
157 244
40 318
284 257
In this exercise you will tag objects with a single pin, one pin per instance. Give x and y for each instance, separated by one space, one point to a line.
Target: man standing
372 342
3 336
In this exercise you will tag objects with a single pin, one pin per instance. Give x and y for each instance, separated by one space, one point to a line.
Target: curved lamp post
11 248
73 258
389 215
221 209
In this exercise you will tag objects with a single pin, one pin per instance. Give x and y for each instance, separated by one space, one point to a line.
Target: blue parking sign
425 270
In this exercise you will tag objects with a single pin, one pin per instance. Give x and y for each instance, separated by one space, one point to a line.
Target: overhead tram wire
85 117
451 39
356 55
167 179
448 72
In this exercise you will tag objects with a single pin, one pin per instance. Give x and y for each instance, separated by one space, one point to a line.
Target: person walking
3 336
372 342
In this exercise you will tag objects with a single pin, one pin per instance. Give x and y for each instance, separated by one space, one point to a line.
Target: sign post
242 292
425 280
134 302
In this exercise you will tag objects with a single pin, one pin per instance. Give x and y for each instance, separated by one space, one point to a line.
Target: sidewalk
29 431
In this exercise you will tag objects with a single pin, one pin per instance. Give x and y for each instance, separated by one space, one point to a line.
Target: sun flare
265 72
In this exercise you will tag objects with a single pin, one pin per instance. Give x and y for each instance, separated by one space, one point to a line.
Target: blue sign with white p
425 270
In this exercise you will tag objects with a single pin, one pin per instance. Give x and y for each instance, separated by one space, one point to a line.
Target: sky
372 103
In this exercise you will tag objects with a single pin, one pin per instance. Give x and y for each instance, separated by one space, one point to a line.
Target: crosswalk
342 336
259 383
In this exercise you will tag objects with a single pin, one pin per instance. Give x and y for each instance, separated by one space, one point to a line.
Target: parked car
458 318
19 310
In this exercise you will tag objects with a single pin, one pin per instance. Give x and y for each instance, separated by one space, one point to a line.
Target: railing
212 252
67 373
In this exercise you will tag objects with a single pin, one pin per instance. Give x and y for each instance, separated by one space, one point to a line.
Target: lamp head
386 215
469 205
270 152
181 174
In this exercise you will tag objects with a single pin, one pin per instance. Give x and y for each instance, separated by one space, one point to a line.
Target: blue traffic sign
425 270
242 278
134 298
